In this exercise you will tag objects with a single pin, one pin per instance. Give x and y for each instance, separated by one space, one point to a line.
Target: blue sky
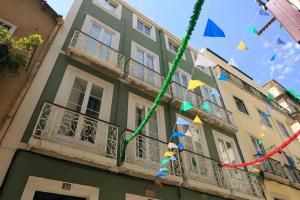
234 17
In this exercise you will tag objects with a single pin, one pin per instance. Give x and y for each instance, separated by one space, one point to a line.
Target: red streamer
278 149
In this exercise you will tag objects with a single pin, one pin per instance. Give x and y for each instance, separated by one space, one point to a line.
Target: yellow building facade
262 126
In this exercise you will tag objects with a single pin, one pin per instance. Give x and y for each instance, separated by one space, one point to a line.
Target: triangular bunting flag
255 170
263 12
159 175
232 62
188 133
270 97
263 128
194 84
197 120
169 154
273 57
173 158
264 115
164 170
172 146
280 42
261 135
212 30
181 121
223 76
214 92
252 29
206 106
176 134
165 161
203 61
242 46
180 146
260 142
185 106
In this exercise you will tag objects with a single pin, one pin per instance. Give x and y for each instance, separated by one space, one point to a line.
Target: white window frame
204 69
172 40
136 18
54 186
217 135
135 99
13 27
89 21
103 6
66 87
135 46
137 197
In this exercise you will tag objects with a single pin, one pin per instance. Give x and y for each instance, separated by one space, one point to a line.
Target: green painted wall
112 186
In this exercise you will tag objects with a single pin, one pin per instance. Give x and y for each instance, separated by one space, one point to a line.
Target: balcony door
98 49
88 102
197 165
147 66
146 148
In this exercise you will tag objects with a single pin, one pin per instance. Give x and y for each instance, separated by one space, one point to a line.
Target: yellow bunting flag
197 120
242 46
194 83
255 170
262 135
169 154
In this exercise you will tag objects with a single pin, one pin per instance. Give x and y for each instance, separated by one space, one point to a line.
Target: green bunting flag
206 106
165 161
185 106
252 29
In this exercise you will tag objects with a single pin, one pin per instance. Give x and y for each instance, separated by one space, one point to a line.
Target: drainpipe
18 101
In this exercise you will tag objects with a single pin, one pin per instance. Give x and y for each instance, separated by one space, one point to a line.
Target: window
98 31
283 130
147 69
172 45
86 94
5 24
259 148
144 27
111 6
264 118
241 105
150 151
196 143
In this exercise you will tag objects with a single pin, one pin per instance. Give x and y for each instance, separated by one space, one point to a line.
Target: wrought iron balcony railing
220 112
143 73
67 127
203 169
243 182
182 93
149 152
87 45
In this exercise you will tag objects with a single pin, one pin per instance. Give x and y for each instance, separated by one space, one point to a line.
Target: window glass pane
77 94
107 38
95 31
184 80
147 30
94 102
150 62
153 126
283 129
140 56
140 26
205 93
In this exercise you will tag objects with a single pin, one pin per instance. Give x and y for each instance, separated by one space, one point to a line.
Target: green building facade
100 78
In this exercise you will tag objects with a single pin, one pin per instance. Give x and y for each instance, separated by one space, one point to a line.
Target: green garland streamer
181 50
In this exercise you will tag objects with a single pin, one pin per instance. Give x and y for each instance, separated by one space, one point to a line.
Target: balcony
144 78
75 135
143 157
203 174
294 112
242 184
96 54
273 169
217 116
